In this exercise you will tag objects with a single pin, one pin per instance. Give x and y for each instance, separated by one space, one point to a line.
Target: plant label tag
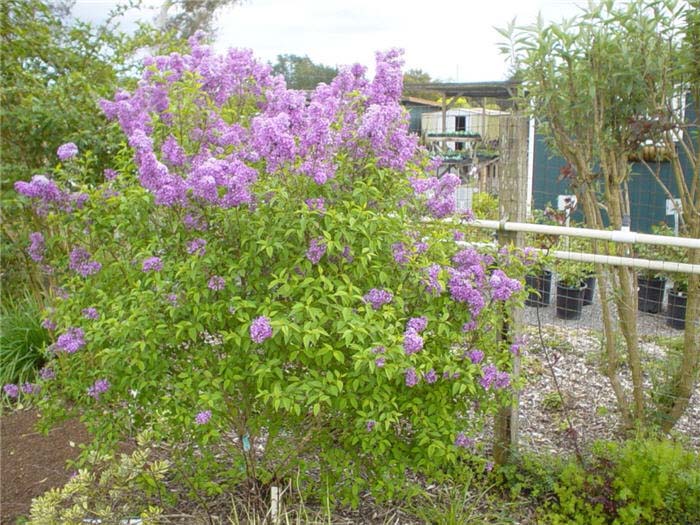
673 206
566 202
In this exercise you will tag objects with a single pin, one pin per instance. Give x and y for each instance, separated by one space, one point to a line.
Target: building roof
417 101
503 90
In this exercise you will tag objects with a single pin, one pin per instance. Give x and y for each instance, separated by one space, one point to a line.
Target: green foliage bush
246 335
636 483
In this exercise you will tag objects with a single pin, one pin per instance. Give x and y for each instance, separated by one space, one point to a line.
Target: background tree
54 70
185 17
418 76
589 80
302 73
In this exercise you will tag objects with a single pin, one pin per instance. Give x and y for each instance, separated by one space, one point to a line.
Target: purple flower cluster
40 187
11 390
152 264
47 193
216 283
260 329
412 342
469 326
203 417
492 378
518 344
475 356
67 151
98 387
318 205
197 247
72 341
463 441
49 324
37 247
467 279
110 174
194 222
502 286
316 250
80 261
47 373
399 253
433 284
378 297
411 378
417 324
370 425
350 116
90 313
430 376
440 192
420 247
381 360
528 256
30 388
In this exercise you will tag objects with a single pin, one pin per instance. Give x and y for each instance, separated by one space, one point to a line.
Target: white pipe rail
611 260
614 260
604 235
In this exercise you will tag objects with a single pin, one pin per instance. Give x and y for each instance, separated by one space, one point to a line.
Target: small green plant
654 252
573 273
471 498
22 340
552 401
636 483
531 476
110 490
485 206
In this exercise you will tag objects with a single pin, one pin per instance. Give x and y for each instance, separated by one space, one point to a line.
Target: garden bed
32 463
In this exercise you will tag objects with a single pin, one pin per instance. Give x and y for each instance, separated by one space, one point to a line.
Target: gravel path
588 400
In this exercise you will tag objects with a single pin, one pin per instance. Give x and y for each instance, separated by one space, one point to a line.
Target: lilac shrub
254 277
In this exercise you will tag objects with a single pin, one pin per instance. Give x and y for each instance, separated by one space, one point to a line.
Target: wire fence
605 306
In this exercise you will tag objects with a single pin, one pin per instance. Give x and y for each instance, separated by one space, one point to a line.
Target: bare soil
33 463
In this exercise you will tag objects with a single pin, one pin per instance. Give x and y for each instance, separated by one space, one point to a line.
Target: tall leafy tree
302 73
185 17
54 70
601 84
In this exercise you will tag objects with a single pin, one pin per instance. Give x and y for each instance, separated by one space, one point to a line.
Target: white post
274 505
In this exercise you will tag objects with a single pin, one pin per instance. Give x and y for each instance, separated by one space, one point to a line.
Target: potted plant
571 285
539 280
588 269
651 284
677 300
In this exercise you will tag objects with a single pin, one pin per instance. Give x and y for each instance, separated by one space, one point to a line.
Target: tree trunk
685 377
593 220
626 299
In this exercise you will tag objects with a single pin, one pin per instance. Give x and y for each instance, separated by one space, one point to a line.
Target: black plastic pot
651 294
589 292
675 315
569 301
542 285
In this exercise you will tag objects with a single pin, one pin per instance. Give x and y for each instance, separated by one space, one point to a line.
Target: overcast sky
452 40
